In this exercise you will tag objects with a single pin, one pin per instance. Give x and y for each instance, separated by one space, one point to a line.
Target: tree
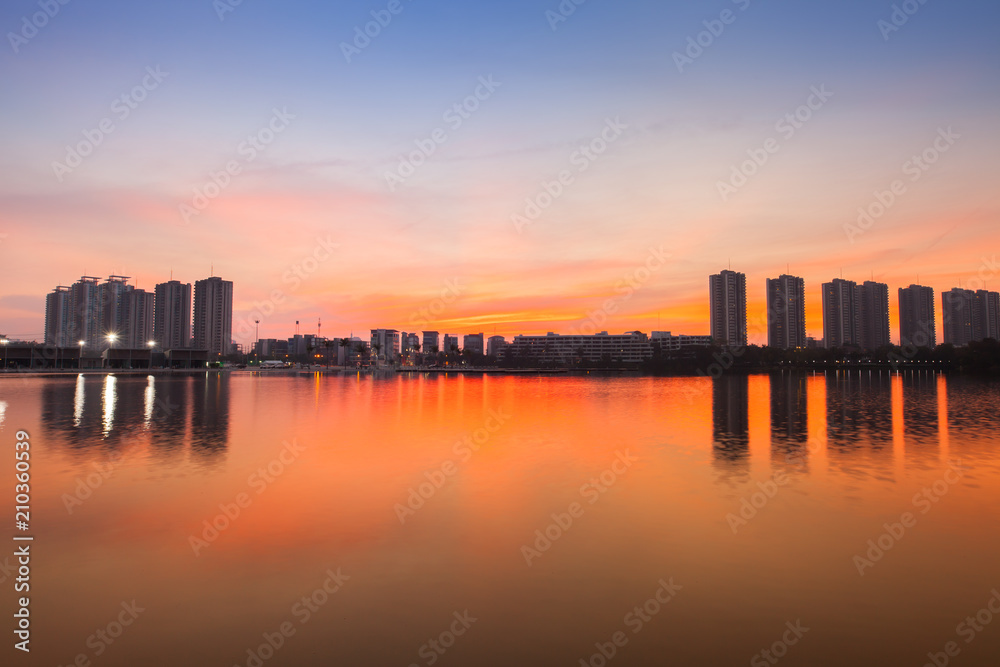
346 344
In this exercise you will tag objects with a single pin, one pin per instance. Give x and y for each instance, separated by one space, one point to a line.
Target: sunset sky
332 121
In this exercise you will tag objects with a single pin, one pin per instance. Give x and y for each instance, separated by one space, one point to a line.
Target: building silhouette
841 325
430 344
474 343
986 315
728 304
872 300
213 315
916 316
172 315
786 312
969 316
59 317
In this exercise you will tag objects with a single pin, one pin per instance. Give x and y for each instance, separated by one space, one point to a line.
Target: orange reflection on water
427 490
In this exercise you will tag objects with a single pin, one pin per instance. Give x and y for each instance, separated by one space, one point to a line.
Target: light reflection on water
852 450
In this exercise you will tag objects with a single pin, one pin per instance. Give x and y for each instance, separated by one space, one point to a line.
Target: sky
501 167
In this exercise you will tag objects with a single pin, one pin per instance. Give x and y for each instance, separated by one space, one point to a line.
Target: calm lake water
845 519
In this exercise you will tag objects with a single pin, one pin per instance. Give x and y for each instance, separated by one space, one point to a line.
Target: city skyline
312 214
854 316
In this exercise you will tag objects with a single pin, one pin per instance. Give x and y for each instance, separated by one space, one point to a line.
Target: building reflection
210 416
920 412
859 409
859 421
168 425
118 411
973 408
730 422
789 417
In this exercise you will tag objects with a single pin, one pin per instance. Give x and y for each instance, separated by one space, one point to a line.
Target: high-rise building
450 344
916 316
430 345
473 343
786 312
840 314
728 302
114 309
957 313
968 316
213 315
987 305
86 316
172 315
986 312
59 317
872 300
138 318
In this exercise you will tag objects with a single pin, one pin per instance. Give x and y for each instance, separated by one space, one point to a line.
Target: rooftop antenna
319 327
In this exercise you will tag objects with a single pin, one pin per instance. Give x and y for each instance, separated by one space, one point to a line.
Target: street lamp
79 361
112 337
152 346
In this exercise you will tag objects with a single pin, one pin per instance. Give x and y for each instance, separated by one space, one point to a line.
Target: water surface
747 503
